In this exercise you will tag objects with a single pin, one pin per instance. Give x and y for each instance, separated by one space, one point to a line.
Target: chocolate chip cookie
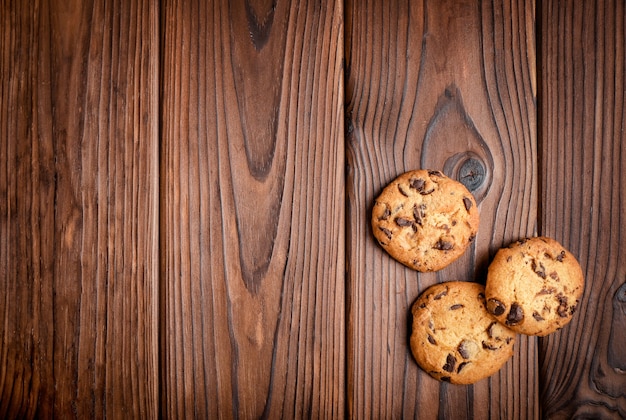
453 336
534 286
425 220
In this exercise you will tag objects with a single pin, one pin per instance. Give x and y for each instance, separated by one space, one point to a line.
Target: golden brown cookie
534 286
454 338
425 220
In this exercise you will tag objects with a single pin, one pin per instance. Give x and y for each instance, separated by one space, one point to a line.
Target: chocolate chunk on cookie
534 286
454 338
425 220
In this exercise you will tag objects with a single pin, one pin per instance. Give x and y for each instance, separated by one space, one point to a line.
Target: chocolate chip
496 307
464 349
386 231
489 346
562 309
418 214
490 330
443 245
385 214
461 366
471 238
538 317
554 276
450 363
442 294
518 243
509 258
456 306
402 191
468 203
516 314
540 271
402 222
481 296
560 257
417 184
436 173
431 340
427 192
445 378
546 291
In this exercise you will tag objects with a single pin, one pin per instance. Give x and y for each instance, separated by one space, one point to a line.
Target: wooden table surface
185 193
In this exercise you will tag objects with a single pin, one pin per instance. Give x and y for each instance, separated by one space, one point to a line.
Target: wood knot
471 173
471 170
620 295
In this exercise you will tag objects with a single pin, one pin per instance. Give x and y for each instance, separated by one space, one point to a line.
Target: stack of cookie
463 332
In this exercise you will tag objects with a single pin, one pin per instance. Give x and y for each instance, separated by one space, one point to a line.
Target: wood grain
184 203
252 210
583 158
444 85
78 209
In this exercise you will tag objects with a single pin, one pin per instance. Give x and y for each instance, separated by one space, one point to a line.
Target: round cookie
534 286
425 220
454 338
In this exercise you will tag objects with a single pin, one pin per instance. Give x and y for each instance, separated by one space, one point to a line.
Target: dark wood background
185 191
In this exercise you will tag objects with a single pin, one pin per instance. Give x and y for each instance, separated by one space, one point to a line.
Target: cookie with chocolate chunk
534 286
425 220
454 338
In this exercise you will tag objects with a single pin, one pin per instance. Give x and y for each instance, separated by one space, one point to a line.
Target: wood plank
444 85
583 157
78 209
252 209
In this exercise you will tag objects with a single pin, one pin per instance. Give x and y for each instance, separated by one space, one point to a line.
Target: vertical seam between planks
346 205
539 119
539 133
161 232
